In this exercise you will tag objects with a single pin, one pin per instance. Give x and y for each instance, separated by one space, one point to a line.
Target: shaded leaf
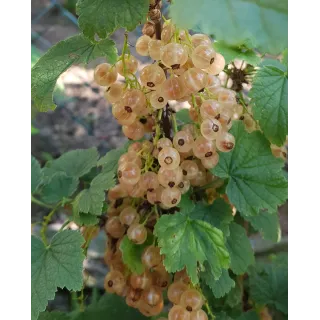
36 174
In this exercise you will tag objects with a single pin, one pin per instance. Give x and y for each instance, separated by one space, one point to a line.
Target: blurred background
83 119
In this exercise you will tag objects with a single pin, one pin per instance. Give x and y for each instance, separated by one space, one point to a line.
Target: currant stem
45 224
40 203
64 225
174 121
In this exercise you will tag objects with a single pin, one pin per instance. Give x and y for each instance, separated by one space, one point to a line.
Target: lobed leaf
102 17
263 22
269 95
185 242
58 265
36 174
59 58
256 180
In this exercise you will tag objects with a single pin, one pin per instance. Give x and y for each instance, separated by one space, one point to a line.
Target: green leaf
110 160
131 253
222 316
270 286
59 186
102 17
55 315
183 116
58 265
263 22
110 307
75 163
267 224
185 242
218 214
58 59
240 250
221 286
91 200
34 130
84 219
186 205
230 53
36 174
234 297
285 57
269 95
249 315
256 179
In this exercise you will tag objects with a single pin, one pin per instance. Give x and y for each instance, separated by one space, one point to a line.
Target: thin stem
210 313
174 122
64 225
45 224
40 203
124 49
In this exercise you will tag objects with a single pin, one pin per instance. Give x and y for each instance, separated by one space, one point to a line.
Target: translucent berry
218 65
116 192
150 311
152 76
151 257
152 296
183 141
213 81
128 216
157 100
105 74
169 158
178 313
170 178
161 277
195 79
131 65
173 55
175 291
189 169
142 45
203 56
135 147
154 47
210 109
173 88
167 33
191 300
114 92
210 128
200 39
163 142
137 233
114 227
210 162
182 276
133 297
134 131
184 186
149 181
171 197
130 157
114 282
198 315
129 173
121 114
134 100
225 142
142 281
203 148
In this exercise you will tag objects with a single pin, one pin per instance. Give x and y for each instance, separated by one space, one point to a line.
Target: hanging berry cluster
157 170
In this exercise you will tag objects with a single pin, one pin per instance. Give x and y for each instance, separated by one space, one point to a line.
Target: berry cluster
156 171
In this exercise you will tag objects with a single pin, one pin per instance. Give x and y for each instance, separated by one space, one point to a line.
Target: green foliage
285 57
241 52
109 162
36 174
185 242
91 200
102 17
218 214
269 286
131 253
186 205
58 265
34 130
240 250
58 59
183 116
269 94
221 286
35 55
75 163
267 224
55 315
264 23
59 186
249 315
256 180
